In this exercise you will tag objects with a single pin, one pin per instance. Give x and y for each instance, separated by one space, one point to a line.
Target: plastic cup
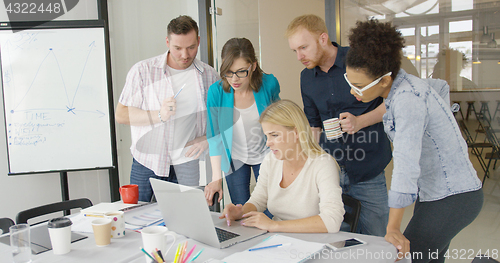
20 243
60 235
102 231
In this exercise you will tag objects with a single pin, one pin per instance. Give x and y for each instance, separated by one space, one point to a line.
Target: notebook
185 211
295 250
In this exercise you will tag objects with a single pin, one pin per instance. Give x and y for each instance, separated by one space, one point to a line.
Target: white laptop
185 211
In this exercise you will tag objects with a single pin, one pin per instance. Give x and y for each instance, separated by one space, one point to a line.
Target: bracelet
159 116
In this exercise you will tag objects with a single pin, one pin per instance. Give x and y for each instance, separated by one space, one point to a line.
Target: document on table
143 216
297 251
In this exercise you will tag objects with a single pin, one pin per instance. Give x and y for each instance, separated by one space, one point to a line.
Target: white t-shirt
315 191
185 114
249 145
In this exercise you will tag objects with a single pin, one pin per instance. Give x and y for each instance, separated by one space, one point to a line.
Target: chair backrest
492 138
465 131
5 223
23 216
352 208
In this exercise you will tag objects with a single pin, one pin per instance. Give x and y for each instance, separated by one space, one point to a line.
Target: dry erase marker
277 245
179 91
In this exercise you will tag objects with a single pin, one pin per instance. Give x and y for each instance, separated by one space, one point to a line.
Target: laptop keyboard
224 235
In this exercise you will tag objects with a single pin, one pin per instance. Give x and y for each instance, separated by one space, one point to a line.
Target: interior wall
277 57
138 31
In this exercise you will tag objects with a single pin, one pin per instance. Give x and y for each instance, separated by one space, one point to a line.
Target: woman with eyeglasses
431 161
234 103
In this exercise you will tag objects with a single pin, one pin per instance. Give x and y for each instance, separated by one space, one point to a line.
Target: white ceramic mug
117 223
155 237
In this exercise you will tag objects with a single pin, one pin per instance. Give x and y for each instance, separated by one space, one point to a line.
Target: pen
183 251
157 257
147 254
179 91
189 254
177 252
159 254
133 207
196 256
277 245
91 215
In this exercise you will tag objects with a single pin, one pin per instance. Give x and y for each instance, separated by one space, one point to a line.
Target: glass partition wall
454 40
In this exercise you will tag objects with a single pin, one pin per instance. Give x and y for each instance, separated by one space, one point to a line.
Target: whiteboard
55 93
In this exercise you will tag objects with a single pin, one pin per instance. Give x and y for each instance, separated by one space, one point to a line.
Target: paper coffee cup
102 231
117 223
60 235
332 128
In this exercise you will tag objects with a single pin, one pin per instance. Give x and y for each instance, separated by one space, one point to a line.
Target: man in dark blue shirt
364 150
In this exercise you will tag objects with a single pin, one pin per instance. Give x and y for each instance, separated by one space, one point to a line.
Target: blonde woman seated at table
298 181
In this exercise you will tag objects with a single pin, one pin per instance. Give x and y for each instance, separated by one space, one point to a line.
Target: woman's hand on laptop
258 220
232 212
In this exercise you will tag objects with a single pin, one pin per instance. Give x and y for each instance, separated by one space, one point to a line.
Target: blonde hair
312 23
288 114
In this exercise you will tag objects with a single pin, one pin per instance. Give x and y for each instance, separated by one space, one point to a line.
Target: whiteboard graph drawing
55 99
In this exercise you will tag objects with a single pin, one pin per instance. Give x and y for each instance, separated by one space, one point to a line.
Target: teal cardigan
220 107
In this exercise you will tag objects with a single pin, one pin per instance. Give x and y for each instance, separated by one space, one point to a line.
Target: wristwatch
159 116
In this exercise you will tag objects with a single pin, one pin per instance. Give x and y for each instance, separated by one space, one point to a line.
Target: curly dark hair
375 47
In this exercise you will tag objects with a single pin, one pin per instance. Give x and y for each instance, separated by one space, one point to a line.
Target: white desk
127 250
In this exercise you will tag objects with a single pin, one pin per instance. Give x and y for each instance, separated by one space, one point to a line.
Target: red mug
129 193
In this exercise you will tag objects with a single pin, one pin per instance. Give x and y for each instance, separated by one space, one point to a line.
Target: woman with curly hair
431 161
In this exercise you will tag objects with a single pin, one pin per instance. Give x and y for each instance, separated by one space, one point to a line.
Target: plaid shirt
148 84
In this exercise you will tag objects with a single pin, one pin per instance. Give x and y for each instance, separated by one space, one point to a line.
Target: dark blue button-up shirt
364 154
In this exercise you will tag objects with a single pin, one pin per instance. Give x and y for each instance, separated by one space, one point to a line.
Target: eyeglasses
360 91
240 73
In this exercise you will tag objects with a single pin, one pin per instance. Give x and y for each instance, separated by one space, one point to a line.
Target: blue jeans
238 182
189 174
374 203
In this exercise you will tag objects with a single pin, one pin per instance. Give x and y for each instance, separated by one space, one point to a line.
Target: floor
483 235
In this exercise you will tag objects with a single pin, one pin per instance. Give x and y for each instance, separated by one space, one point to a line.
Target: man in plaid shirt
164 102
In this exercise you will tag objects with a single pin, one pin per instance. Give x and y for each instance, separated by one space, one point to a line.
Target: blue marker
179 91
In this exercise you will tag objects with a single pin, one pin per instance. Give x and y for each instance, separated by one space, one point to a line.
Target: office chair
5 223
23 216
352 208
215 207
484 259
